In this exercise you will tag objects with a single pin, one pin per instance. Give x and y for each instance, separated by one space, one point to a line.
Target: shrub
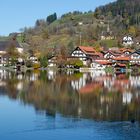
76 63
29 64
36 65
43 62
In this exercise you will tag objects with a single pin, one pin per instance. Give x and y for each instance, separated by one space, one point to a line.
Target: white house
83 53
4 45
135 57
98 66
127 41
52 62
33 59
111 55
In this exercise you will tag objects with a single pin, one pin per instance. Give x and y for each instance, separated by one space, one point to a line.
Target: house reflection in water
86 79
107 87
96 95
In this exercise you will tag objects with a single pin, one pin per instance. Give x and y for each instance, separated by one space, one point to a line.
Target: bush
76 63
29 64
13 62
44 62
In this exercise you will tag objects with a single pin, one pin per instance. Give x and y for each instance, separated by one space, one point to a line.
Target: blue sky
16 14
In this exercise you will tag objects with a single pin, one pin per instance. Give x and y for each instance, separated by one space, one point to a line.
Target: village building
122 59
33 59
135 57
85 54
110 55
127 40
100 63
4 45
126 51
52 61
120 68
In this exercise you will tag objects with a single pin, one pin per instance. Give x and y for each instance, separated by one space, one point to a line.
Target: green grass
109 43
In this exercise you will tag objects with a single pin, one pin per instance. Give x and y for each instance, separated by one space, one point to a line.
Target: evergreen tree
51 18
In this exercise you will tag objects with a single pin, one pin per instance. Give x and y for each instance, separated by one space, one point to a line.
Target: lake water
49 105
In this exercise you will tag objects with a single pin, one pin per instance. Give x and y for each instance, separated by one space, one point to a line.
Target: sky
17 14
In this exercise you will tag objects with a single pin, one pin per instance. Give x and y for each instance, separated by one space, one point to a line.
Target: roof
5 44
103 62
126 50
123 58
87 50
138 52
98 54
113 53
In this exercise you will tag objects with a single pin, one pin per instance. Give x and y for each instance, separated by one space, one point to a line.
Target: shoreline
24 69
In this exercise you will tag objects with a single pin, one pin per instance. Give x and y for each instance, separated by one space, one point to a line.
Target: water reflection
93 95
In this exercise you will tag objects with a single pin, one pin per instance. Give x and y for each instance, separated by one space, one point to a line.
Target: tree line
128 10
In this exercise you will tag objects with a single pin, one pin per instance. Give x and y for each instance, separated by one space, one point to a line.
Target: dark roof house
4 45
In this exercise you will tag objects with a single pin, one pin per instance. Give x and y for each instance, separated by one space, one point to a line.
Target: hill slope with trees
55 35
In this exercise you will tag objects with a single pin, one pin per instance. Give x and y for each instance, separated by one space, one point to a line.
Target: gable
108 55
78 53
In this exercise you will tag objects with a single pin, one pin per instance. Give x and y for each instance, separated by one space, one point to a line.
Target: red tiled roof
98 54
101 59
87 49
103 62
122 58
113 53
125 50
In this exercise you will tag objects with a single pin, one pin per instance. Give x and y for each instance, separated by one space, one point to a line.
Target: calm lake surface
49 105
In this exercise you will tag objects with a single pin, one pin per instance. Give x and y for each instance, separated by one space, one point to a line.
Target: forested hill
127 9
84 28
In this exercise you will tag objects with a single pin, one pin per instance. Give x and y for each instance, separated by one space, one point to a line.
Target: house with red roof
85 53
100 64
122 59
135 57
126 51
110 54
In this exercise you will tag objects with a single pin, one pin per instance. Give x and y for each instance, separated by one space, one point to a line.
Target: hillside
78 28
71 30
126 10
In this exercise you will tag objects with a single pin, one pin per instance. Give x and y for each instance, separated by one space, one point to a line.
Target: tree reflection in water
94 95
